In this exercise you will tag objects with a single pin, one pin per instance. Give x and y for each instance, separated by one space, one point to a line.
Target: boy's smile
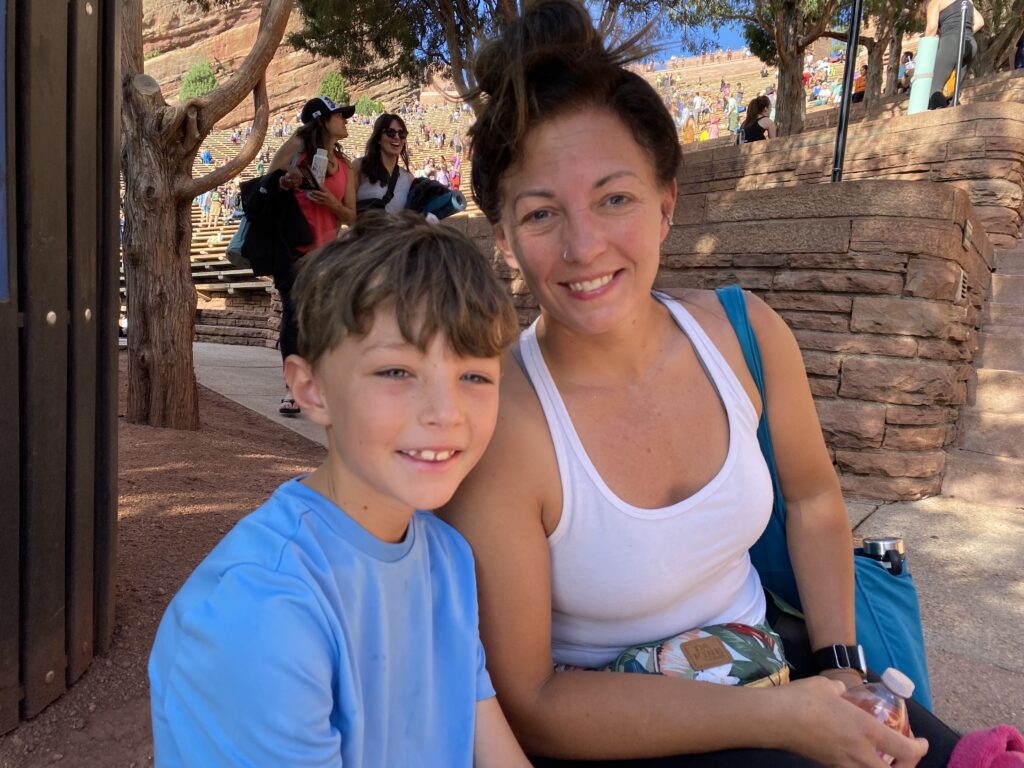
404 427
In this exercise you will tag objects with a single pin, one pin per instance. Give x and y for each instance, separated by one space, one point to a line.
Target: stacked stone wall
867 275
247 319
978 148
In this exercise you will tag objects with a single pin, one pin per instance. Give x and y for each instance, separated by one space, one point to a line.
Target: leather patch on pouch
705 653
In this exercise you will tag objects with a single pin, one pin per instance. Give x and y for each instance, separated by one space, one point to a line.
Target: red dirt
179 492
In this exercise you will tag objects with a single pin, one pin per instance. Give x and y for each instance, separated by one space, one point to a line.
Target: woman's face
584 188
392 139
337 127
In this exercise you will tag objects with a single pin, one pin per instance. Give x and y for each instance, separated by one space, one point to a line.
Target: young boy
337 624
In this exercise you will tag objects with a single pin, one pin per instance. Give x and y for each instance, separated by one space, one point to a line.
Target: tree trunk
895 54
791 103
158 146
161 297
873 86
996 51
790 106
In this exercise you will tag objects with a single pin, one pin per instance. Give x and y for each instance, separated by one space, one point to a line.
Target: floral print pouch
757 657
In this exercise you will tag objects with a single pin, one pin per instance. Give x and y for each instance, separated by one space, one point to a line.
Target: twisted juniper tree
158 146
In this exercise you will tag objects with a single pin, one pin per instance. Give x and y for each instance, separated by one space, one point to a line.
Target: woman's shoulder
706 307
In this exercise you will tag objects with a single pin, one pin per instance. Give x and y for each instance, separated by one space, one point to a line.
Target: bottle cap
877 546
898 683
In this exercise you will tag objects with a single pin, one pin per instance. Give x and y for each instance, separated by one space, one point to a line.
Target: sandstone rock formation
177 35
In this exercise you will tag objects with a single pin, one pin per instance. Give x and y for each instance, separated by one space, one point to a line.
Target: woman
860 83
942 18
323 127
624 484
371 177
442 173
757 125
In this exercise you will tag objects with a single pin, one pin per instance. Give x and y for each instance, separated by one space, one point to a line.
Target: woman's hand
325 197
823 726
342 212
290 180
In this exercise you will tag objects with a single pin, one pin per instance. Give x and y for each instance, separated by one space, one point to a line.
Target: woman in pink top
323 127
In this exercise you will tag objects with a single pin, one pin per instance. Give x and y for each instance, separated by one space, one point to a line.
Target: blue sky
729 36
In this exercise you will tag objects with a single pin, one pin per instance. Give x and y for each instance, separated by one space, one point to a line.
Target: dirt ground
179 492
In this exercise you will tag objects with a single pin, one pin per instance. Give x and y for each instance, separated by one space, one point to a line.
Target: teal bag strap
735 306
887 610
770 553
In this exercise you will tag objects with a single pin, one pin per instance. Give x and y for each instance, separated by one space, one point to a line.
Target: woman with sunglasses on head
612 514
377 182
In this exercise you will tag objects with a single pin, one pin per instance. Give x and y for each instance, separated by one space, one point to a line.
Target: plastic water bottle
319 166
886 701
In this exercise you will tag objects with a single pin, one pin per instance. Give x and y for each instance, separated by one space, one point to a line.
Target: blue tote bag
887 612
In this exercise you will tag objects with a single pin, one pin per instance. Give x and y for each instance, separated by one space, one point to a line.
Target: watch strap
840 657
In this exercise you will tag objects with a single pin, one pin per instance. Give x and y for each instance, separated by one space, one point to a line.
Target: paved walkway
251 376
967 560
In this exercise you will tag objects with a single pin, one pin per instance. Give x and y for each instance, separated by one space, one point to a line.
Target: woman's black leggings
288 331
941 738
945 62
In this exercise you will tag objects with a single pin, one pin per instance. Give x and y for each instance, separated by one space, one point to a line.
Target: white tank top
622 575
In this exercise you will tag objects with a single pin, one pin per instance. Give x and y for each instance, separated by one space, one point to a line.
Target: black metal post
844 106
960 52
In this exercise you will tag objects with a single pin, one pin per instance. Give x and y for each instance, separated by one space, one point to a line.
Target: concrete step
994 434
984 479
1008 289
1004 314
996 391
1004 353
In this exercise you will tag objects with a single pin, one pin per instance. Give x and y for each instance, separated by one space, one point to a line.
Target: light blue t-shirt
303 640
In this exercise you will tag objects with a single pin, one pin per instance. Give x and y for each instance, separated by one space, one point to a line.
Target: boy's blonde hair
432 277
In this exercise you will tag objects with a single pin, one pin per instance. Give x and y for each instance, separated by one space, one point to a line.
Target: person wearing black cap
322 205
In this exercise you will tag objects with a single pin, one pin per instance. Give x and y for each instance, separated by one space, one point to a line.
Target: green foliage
198 81
152 54
378 39
761 44
333 87
367 106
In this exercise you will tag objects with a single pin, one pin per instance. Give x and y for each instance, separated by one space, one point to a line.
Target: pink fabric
999 747
319 217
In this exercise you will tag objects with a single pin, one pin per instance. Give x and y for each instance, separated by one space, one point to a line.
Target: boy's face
404 426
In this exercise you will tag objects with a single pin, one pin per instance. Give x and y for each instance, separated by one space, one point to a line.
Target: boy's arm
248 680
494 746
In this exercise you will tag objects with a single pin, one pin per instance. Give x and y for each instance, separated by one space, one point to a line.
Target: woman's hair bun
559 29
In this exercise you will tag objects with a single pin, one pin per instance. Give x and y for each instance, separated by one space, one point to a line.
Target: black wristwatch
841 657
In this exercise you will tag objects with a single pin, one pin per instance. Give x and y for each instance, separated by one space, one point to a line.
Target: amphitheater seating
214 276
210 241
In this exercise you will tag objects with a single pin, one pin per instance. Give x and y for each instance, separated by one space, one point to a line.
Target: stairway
987 464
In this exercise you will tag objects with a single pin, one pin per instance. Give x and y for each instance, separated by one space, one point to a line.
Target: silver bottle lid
877 546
